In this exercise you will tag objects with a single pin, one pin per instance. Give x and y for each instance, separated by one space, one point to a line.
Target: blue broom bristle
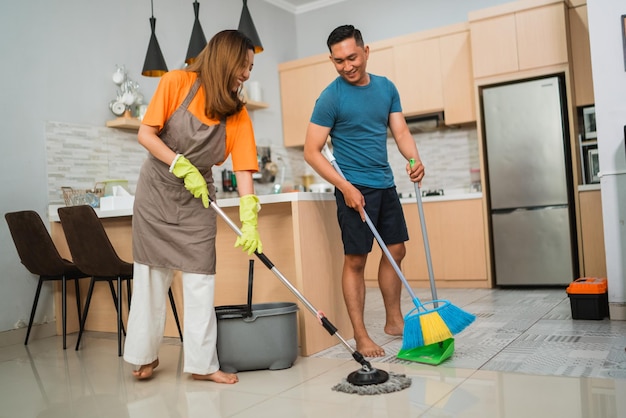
456 318
412 336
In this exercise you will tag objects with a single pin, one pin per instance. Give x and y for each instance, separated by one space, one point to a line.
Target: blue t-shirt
358 117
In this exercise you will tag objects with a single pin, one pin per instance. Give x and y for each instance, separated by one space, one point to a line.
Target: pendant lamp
197 41
154 64
246 25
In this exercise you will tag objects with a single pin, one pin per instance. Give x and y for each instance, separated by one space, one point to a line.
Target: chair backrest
33 243
91 249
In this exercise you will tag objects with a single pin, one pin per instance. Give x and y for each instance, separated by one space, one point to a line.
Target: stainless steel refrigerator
529 183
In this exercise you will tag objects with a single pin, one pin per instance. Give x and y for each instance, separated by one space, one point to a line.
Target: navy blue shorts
384 209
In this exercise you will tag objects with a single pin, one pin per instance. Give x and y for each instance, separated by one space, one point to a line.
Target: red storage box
589 298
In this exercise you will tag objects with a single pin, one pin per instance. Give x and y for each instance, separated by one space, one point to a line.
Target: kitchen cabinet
592 233
301 83
457 78
581 56
418 76
431 70
457 242
518 36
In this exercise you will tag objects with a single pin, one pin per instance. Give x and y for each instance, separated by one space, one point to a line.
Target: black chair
40 256
93 253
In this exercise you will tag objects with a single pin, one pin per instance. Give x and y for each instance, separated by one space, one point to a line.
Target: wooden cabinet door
418 76
463 253
380 62
299 89
541 36
581 56
457 79
494 46
594 255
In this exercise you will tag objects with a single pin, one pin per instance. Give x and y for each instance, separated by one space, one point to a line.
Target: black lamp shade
197 41
246 25
154 64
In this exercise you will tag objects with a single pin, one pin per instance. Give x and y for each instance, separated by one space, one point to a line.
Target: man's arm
406 145
316 136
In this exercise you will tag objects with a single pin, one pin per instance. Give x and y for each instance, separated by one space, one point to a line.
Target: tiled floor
523 357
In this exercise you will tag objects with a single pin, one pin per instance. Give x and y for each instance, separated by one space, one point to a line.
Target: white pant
146 321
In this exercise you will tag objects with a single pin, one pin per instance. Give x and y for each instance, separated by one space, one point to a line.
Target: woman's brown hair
218 65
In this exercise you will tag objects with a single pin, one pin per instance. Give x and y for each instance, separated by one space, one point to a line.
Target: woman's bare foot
145 371
369 348
218 377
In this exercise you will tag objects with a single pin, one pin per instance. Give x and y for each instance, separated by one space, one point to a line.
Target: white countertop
588 187
53 216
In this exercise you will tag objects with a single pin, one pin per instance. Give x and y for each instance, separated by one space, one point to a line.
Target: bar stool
40 256
93 253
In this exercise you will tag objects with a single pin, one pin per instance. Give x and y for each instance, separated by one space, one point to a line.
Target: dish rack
75 197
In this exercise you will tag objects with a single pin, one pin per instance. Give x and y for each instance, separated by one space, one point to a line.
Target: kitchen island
301 237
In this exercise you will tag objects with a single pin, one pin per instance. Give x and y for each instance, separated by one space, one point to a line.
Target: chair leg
119 316
77 289
64 308
84 318
33 309
114 296
175 312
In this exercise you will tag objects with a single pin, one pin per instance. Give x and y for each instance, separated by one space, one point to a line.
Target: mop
422 326
365 381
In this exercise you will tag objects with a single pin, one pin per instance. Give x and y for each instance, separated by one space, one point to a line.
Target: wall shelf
252 105
124 123
130 123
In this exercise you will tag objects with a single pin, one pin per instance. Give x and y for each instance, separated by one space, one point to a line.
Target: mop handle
330 328
429 263
329 156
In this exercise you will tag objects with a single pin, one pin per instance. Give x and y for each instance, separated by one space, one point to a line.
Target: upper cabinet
581 56
418 76
432 71
506 40
301 82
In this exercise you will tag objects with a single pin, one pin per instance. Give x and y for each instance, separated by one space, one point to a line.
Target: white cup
254 91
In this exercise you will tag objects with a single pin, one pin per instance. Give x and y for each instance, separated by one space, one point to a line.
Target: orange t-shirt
170 94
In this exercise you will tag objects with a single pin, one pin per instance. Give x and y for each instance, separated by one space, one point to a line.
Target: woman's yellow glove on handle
249 240
194 182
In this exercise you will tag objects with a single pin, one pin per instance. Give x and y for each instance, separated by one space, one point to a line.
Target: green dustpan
433 354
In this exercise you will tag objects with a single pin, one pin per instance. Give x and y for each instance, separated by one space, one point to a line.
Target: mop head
395 383
424 327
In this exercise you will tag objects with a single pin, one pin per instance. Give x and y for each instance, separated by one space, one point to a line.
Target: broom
422 326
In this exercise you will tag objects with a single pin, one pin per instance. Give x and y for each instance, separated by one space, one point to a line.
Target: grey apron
171 228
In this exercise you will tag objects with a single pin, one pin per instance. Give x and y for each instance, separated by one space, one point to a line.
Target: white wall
609 81
58 57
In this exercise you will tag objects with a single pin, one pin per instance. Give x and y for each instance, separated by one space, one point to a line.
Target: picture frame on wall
623 19
593 164
589 122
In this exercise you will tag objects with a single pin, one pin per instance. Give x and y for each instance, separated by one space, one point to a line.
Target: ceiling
301 6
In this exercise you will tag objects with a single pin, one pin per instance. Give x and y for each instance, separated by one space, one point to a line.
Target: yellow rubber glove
194 182
250 240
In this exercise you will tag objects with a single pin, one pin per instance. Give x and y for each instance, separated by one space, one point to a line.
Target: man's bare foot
369 348
394 329
218 377
145 371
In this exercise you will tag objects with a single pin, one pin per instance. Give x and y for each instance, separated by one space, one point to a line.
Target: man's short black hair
342 33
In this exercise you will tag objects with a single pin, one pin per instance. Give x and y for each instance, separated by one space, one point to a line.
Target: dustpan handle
429 262
250 276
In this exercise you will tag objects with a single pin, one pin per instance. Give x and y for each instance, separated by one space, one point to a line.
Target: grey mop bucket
256 336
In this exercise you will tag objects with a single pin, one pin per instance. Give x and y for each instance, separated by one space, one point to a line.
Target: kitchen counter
53 216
